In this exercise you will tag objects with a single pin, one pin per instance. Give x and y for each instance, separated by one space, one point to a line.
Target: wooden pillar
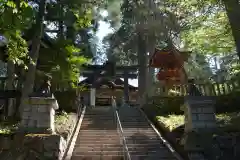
126 89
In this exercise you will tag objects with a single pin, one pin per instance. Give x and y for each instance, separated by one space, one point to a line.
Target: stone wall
32 146
38 115
38 146
38 120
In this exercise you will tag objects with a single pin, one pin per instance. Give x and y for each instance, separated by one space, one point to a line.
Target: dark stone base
35 130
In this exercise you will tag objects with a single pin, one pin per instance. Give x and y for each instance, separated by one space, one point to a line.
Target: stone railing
208 89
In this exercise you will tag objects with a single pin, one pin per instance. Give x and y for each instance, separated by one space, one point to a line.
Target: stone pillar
200 123
38 115
92 97
93 90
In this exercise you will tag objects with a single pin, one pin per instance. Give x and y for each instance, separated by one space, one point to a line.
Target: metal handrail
126 153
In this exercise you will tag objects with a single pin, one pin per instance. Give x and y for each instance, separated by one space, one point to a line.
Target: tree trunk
142 75
34 53
233 13
9 84
61 22
151 70
11 71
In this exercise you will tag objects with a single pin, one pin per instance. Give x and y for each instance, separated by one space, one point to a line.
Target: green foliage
228 103
166 105
66 68
17 48
14 19
66 100
8 127
84 21
215 28
226 122
202 27
71 46
198 67
61 117
171 121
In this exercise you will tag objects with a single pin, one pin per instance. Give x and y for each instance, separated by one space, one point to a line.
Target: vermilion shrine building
170 62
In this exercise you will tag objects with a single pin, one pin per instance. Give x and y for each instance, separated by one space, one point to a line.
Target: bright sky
104 29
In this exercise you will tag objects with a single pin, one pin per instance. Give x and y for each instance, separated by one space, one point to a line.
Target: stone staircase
98 138
142 141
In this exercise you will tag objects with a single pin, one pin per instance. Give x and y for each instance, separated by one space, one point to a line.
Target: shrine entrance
108 71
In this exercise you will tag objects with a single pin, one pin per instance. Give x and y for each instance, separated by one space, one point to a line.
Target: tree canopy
199 26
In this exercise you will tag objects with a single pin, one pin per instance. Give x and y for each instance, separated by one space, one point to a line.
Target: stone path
142 141
98 138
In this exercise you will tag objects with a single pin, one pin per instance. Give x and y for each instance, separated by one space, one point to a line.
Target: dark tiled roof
118 83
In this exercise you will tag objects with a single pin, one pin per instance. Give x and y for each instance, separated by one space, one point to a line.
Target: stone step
105 151
97 134
98 121
139 134
98 153
112 147
138 131
99 126
89 118
90 137
98 137
144 145
142 141
96 157
97 147
162 154
136 125
151 157
85 127
112 140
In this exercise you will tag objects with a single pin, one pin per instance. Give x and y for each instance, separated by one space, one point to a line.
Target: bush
171 105
171 122
228 103
165 105
66 100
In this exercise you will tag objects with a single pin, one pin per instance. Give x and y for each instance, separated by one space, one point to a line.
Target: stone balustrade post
38 115
200 123
199 113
